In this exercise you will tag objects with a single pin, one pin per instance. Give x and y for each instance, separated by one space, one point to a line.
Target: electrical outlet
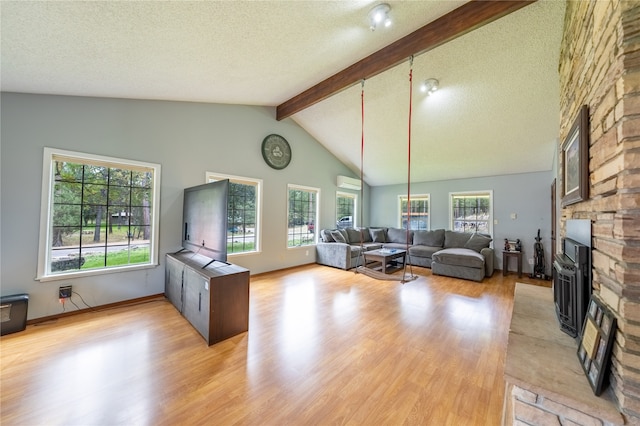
64 292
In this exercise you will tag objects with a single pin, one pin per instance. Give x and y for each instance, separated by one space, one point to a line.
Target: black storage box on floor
13 313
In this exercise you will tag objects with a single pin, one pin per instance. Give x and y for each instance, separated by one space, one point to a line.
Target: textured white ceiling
496 112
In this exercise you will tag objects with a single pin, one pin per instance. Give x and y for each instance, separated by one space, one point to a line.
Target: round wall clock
276 151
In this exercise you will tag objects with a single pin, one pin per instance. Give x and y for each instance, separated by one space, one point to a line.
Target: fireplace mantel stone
545 383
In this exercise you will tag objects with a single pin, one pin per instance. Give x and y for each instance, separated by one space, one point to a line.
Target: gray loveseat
455 254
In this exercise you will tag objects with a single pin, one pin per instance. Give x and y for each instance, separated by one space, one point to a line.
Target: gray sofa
464 255
454 254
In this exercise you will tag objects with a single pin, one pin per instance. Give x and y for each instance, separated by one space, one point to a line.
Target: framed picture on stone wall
596 344
575 160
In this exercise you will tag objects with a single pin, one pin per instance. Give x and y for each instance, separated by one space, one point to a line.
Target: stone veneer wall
600 67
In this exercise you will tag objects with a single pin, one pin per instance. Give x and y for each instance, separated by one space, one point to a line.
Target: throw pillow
326 236
477 242
337 236
354 235
454 239
433 238
378 235
366 235
345 235
396 235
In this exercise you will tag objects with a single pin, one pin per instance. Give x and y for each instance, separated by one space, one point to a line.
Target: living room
189 139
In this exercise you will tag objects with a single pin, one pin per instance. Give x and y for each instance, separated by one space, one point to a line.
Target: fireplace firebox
572 285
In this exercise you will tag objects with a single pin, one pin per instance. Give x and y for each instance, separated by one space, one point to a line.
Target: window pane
67 215
67 172
66 260
141 179
96 174
141 196
119 177
119 196
131 255
140 216
64 237
94 194
141 232
67 192
483 227
470 213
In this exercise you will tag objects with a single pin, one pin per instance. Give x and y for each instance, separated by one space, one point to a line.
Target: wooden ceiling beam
460 21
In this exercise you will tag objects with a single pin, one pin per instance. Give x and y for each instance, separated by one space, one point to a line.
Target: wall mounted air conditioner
349 183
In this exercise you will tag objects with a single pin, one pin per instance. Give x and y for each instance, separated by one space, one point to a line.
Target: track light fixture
429 86
379 15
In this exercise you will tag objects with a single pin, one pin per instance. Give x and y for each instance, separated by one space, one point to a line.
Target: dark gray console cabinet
213 298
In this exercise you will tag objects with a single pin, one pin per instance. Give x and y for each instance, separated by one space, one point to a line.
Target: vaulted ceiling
496 111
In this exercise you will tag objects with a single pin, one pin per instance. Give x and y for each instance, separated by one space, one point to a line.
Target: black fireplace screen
571 286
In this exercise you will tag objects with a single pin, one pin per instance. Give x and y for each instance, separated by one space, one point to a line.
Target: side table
505 261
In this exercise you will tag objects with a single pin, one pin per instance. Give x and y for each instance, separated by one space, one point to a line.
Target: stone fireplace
600 67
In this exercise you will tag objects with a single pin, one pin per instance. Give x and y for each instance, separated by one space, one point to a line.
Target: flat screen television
204 219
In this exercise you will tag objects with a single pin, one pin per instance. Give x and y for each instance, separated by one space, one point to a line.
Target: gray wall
187 139
528 195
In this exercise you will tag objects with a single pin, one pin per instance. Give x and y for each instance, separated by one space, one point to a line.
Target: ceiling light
379 15
429 86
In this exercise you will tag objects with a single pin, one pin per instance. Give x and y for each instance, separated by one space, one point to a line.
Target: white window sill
79 274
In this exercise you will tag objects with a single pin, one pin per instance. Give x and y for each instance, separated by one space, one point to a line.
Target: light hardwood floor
324 346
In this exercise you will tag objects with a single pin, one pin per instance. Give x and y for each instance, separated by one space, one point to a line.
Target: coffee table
384 259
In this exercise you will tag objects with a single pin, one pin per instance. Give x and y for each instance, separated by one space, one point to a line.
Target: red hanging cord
409 153
362 161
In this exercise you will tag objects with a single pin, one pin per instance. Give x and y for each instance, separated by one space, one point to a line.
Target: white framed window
243 213
346 209
98 215
471 211
420 217
302 215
